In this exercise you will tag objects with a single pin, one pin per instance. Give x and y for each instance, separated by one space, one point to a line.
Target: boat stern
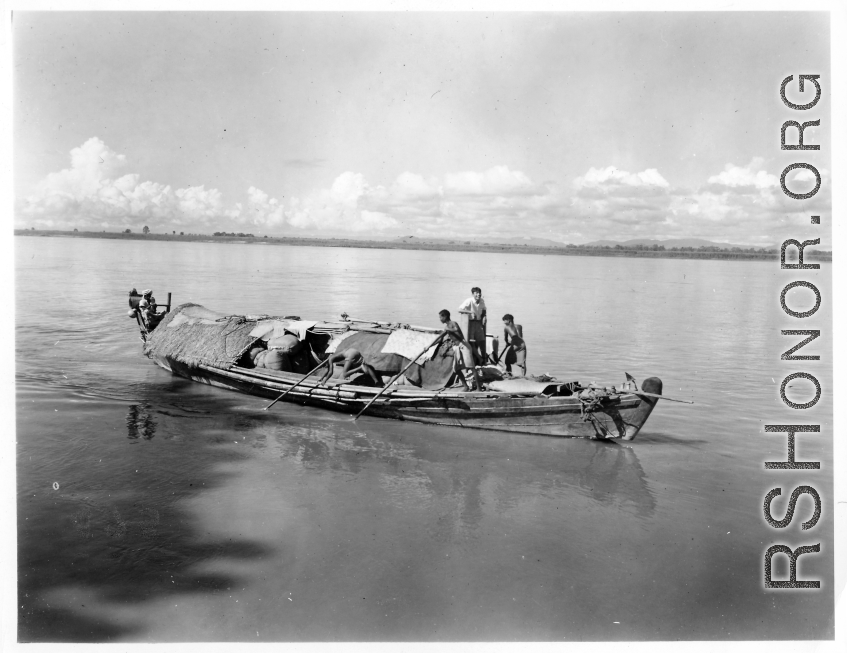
640 415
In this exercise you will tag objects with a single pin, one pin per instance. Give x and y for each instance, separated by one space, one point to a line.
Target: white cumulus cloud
260 211
342 207
741 203
92 163
611 176
498 180
94 193
751 175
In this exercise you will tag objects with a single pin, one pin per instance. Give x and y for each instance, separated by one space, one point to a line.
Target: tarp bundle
194 335
434 373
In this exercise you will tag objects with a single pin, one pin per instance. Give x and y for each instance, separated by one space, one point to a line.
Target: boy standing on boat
462 353
475 309
515 350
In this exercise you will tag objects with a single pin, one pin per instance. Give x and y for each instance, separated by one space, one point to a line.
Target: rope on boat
590 401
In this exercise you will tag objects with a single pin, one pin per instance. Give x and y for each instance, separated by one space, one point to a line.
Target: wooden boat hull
619 417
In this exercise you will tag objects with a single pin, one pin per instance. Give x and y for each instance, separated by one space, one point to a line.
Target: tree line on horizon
639 247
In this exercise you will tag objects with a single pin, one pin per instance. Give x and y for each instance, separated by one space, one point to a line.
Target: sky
569 126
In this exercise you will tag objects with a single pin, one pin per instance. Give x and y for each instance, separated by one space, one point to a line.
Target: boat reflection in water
610 472
474 473
140 423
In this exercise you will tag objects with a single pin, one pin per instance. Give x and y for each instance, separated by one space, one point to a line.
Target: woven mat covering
192 335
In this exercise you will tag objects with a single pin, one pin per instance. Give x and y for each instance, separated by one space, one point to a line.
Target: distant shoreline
713 253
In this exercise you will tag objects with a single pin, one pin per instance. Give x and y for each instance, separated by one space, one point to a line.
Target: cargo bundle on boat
277 356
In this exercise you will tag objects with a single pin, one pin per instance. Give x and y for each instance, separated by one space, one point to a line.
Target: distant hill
674 242
547 242
532 242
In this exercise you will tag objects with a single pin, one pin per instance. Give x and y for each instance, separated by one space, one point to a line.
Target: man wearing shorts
462 354
515 351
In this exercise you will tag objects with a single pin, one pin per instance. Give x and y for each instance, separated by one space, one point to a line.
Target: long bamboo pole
412 327
295 385
650 394
397 376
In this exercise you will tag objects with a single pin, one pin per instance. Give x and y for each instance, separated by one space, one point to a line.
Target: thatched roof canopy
192 335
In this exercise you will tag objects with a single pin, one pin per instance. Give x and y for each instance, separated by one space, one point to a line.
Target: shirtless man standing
515 344
462 354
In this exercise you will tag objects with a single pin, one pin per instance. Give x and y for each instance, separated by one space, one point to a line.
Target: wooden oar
295 385
650 394
396 376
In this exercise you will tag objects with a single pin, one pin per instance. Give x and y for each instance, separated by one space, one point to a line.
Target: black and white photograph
395 323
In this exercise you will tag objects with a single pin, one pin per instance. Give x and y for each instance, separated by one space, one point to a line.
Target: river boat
215 348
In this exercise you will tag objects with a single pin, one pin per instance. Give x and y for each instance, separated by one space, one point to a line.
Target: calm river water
154 509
